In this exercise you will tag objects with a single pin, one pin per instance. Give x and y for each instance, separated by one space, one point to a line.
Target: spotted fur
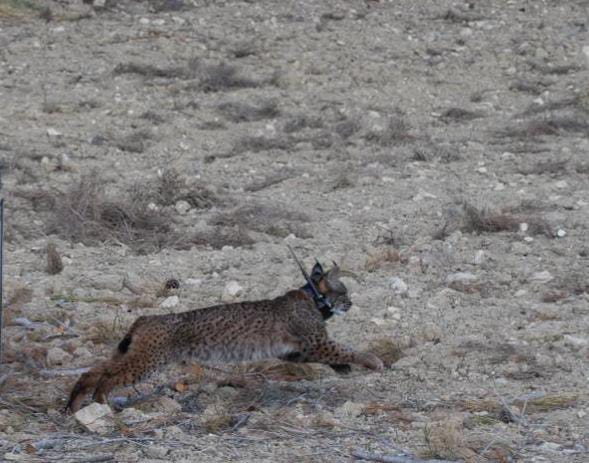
290 327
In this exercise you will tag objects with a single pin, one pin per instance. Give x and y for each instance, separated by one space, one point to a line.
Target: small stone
53 132
581 413
231 291
561 184
155 451
463 281
479 257
144 21
350 409
170 302
541 277
482 170
398 285
561 233
182 207
57 356
575 342
99 4
96 418
523 227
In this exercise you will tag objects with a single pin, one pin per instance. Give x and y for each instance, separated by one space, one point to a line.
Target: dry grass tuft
560 69
85 214
107 332
285 371
259 144
272 219
534 87
150 71
220 422
459 115
19 295
222 77
484 221
552 168
270 180
243 112
383 257
302 121
445 440
54 263
172 187
547 402
548 125
396 132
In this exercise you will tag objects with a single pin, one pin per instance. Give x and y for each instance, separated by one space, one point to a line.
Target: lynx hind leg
140 353
335 355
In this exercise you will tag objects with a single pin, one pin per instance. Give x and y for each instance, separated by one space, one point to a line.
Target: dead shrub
559 69
172 187
135 142
383 257
220 422
243 112
302 121
445 439
222 77
85 214
396 132
18 296
269 181
271 219
484 221
259 144
150 71
552 168
54 263
459 115
534 87
549 125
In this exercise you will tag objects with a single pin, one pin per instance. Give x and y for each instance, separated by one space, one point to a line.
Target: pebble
561 233
479 257
575 341
542 277
97 418
463 281
57 356
182 207
53 132
398 285
231 291
170 302
561 184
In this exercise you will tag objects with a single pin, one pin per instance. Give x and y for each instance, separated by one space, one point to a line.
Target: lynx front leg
336 355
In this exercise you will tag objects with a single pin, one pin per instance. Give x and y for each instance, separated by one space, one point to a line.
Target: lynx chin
290 327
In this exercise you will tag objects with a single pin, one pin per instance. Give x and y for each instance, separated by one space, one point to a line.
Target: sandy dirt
438 151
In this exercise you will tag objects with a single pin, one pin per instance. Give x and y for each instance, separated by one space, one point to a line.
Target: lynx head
332 289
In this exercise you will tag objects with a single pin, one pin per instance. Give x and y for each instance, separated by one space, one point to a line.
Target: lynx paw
371 361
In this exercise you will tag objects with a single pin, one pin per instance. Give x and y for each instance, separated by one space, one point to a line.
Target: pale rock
541 277
57 356
523 227
575 341
170 302
561 233
97 418
350 409
155 451
182 207
479 257
231 291
83 352
398 285
53 132
463 281
561 184
193 281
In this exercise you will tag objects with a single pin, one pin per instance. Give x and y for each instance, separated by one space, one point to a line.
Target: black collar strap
321 303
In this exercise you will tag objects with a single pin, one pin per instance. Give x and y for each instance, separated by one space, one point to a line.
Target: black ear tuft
317 272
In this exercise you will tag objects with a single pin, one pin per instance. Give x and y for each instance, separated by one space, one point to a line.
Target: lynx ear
334 273
317 272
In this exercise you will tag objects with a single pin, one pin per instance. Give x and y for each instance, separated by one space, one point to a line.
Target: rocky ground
438 151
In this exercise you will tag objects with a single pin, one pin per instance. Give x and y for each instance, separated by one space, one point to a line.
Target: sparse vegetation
243 112
396 132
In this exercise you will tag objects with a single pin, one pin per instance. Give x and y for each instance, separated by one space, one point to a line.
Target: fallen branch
362 455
